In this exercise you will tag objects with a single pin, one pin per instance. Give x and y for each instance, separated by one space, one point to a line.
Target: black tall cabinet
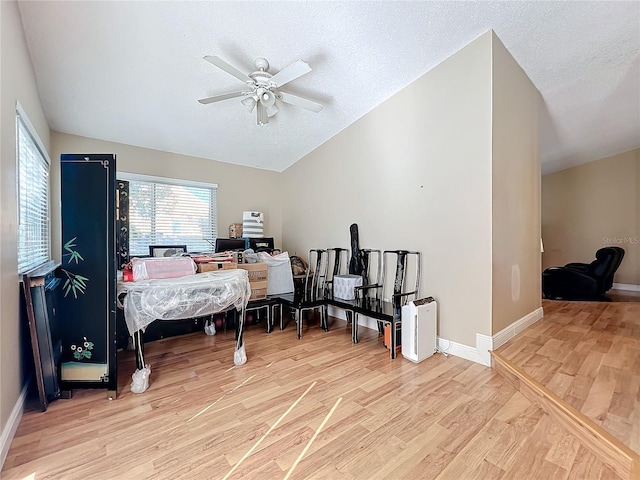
87 295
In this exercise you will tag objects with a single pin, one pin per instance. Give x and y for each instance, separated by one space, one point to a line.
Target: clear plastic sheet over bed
183 297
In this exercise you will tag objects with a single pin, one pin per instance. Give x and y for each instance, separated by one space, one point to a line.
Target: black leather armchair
583 281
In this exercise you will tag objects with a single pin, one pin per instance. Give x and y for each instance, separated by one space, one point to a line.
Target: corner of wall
473 354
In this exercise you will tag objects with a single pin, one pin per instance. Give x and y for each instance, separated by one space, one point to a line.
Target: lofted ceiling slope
131 72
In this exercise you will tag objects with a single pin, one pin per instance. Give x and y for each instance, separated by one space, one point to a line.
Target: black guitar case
355 264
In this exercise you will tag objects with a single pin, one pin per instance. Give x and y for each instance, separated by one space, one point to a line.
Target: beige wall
591 206
17 83
413 173
239 188
516 192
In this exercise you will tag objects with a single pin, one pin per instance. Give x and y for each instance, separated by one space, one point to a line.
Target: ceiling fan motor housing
261 64
261 79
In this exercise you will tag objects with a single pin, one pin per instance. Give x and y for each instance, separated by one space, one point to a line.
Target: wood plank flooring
319 408
588 353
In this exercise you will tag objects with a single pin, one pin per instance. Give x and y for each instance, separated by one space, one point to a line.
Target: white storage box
343 286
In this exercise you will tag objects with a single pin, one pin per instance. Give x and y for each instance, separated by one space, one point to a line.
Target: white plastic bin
279 276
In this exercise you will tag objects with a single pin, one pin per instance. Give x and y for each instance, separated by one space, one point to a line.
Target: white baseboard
10 428
463 351
626 286
484 343
481 353
366 322
506 334
336 312
363 320
445 346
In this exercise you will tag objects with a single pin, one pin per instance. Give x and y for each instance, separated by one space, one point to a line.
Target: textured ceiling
131 72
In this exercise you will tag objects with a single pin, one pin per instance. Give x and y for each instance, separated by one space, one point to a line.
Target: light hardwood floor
588 353
316 408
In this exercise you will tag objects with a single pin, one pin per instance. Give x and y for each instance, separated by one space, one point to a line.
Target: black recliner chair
583 281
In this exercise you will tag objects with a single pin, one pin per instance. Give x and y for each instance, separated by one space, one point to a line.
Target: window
33 196
163 211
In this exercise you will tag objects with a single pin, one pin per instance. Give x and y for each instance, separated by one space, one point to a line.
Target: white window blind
33 199
165 213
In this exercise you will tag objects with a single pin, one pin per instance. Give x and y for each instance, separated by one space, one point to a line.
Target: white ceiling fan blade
230 69
300 102
219 98
293 71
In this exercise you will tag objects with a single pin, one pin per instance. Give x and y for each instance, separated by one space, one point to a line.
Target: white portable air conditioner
419 329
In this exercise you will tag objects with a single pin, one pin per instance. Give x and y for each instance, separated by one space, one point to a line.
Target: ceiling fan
263 87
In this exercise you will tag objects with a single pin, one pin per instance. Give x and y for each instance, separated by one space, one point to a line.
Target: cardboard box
258 290
214 266
257 271
235 230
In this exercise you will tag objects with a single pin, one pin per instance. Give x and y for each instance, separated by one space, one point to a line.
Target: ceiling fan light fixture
267 98
249 103
272 110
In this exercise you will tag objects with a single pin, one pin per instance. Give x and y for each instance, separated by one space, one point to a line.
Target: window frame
137 177
22 117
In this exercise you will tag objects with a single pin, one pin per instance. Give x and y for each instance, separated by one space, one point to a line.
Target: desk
185 297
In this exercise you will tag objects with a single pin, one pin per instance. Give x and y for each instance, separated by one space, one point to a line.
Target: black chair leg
281 308
324 318
269 319
354 329
392 349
